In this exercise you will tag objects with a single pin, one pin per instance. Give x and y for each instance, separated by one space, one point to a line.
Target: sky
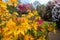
31 1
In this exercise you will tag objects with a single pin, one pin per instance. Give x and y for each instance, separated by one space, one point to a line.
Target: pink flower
40 21
24 7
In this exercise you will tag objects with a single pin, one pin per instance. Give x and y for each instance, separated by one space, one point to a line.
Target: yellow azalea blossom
2 23
0 0
3 4
28 16
2 9
35 12
16 33
6 38
23 20
26 25
31 14
42 37
9 38
15 4
34 25
28 37
8 33
10 24
15 13
23 15
3 19
12 2
43 30
8 14
50 28
38 17
0 13
20 30
30 21
5 29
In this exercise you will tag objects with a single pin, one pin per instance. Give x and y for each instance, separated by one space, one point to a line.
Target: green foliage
39 33
41 10
54 24
1 36
11 8
45 25
31 32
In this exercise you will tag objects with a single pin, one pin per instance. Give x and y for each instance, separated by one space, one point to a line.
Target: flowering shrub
24 27
24 7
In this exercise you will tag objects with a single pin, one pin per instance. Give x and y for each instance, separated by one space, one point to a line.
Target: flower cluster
24 7
25 27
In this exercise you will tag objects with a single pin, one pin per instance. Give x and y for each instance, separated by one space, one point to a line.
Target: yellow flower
50 28
37 17
3 10
12 2
6 38
10 24
0 13
34 25
15 13
5 29
0 0
4 19
8 14
35 12
43 29
28 16
28 37
22 19
42 37
23 15
3 4
21 30
31 14
26 26
8 33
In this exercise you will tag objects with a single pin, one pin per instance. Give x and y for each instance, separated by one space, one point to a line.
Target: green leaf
11 8
54 24
31 32
1 36
44 25
39 33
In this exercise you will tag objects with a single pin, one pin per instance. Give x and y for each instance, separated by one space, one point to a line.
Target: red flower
40 21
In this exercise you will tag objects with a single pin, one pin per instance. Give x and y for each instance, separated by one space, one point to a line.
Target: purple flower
24 7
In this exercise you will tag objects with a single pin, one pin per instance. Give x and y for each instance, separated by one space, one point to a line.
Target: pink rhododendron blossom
24 7
40 21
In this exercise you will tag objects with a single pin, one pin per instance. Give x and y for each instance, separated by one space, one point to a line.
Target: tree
41 10
35 4
48 14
